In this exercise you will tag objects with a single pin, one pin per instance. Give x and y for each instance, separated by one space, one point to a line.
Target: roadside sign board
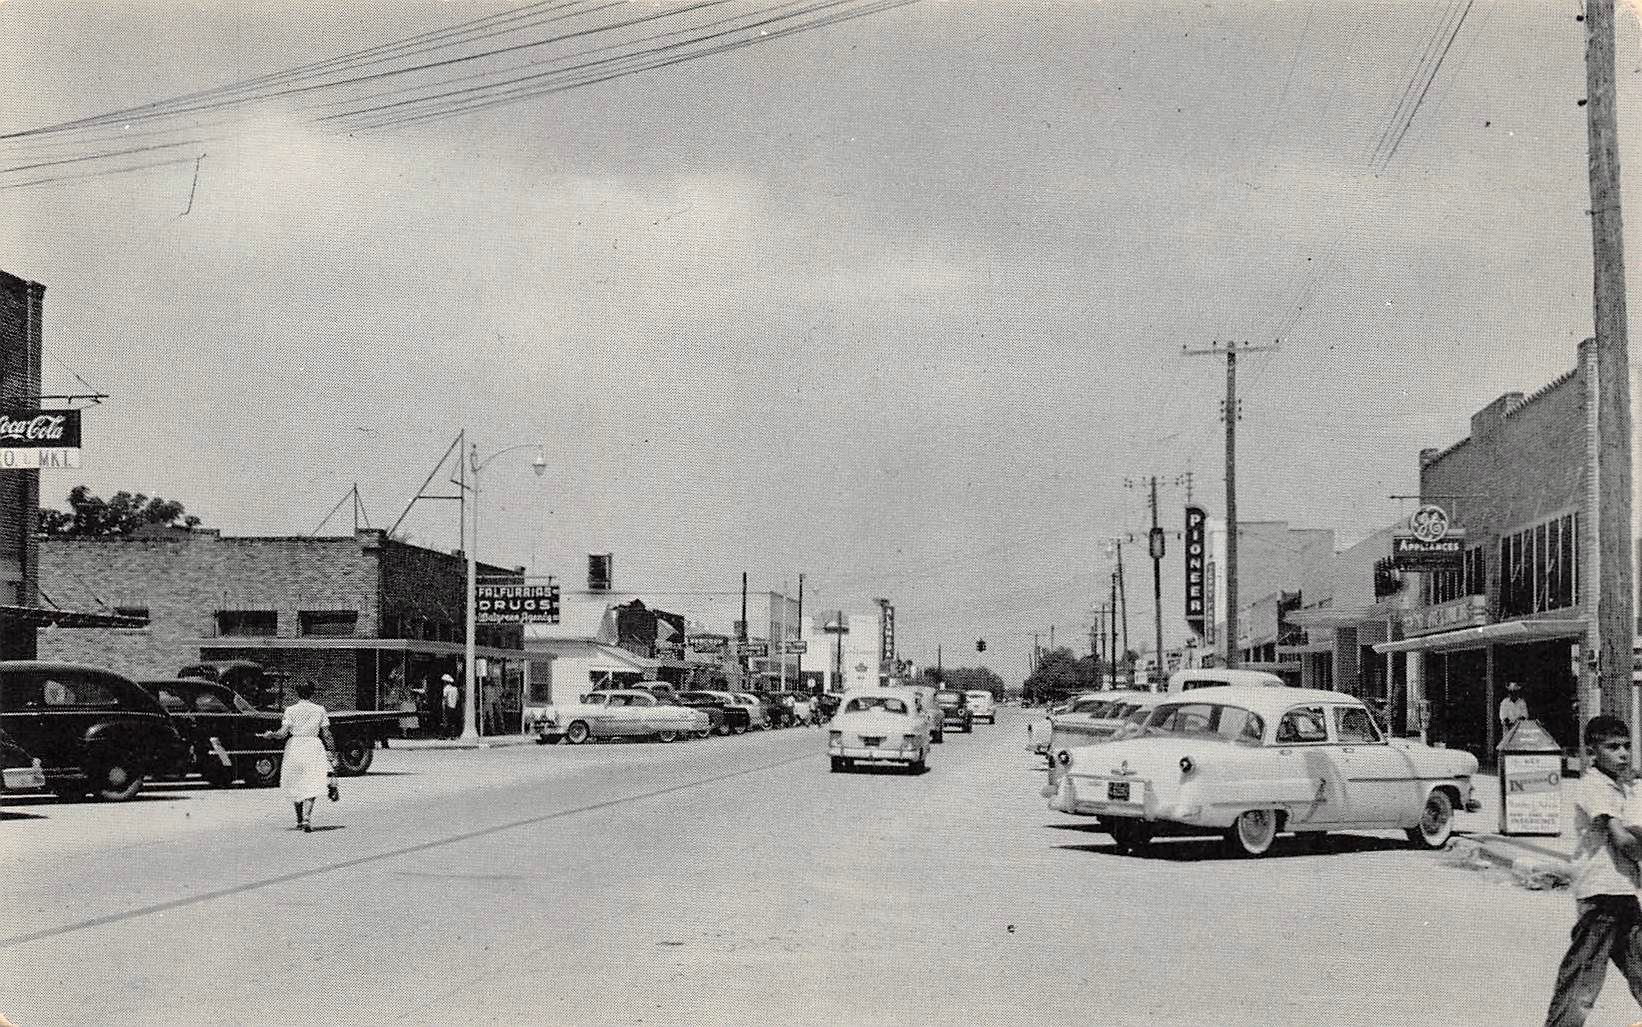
516 604
754 647
796 645
31 440
1196 555
1410 553
1530 779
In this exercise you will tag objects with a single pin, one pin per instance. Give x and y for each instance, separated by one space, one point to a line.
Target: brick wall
21 309
428 585
1524 462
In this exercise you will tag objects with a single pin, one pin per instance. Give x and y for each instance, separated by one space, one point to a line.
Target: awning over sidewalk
1337 616
613 659
425 647
1510 632
49 617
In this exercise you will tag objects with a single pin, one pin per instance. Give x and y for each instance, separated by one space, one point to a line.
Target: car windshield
1095 706
868 703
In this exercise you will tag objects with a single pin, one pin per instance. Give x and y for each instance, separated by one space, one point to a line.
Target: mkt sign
1428 543
34 439
516 604
1196 567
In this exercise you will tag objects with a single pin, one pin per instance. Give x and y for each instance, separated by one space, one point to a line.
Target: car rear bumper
22 779
875 752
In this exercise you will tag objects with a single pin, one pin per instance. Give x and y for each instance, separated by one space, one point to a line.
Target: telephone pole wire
1230 350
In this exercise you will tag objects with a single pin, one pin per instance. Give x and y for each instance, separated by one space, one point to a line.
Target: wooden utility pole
1112 621
742 633
1230 415
1613 626
1154 542
799 670
1123 602
1094 649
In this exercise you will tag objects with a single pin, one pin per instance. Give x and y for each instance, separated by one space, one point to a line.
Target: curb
1507 851
408 745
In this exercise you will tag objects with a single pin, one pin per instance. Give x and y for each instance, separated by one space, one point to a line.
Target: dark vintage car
716 716
954 707
776 708
93 730
736 718
19 771
222 728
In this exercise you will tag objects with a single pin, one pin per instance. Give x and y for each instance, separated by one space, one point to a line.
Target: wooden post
1614 622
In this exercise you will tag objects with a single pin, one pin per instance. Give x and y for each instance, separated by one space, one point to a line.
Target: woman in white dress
305 770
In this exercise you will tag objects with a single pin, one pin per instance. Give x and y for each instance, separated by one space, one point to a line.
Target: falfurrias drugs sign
34 439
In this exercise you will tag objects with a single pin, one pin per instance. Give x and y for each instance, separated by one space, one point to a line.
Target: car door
220 727
1379 779
601 712
20 707
643 715
1308 778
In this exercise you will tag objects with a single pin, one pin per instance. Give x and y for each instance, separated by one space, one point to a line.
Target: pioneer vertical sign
1196 581
35 439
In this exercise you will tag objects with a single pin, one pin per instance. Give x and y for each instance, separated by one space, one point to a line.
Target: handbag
331 789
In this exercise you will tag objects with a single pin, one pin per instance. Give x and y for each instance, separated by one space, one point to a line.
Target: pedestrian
304 772
801 709
452 699
1513 709
1605 879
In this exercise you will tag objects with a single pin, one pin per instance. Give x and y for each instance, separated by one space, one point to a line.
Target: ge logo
1429 523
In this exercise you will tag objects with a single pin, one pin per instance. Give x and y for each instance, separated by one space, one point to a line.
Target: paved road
732 881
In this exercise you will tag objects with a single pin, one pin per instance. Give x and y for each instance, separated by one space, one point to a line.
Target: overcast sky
897 303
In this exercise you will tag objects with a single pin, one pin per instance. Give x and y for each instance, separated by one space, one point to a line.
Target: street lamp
470 726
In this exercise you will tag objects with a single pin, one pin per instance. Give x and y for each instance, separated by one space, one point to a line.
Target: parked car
954 707
880 725
923 703
356 731
714 710
1039 729
736 717
981 704
757 716
1218 677
94 730
623 712
1250 762
19 771
1091 721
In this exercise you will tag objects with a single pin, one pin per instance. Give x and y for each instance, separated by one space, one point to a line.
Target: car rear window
868 703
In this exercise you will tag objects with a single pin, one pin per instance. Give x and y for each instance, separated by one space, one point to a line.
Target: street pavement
734 880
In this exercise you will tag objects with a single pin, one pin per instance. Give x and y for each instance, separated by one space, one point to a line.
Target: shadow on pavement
1191 850
14 815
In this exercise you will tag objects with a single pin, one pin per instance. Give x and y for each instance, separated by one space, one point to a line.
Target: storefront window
1539 567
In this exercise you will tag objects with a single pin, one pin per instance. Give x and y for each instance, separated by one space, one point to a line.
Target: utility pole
1123 601
1051 638
940 671
1155 546
742 634
1230 415
1094 648
799 670
1111 622
1034 652
1613 627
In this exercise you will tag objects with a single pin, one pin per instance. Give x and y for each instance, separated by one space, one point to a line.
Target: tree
91 516
1059 674
975 679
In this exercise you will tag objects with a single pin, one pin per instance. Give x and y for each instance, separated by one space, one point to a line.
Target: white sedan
981 704
878 726
1252 762
616 713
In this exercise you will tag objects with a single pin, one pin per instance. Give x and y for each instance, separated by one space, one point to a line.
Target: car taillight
1064 758
835 736
1186 764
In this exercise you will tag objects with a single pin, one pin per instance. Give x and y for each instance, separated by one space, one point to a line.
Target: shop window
1539 568
328 623
253 623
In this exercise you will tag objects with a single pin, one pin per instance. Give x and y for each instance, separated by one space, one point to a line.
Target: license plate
871 742
1117 791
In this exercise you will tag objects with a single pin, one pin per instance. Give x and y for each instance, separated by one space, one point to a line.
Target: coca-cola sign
34 439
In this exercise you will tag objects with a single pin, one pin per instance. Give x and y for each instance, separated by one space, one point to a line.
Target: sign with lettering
753 647
1208 603
1533 794
886 651
31 440
516 604
1412 553
1196 556
709 645
1464 612
795 645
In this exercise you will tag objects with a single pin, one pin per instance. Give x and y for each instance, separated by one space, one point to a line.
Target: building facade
373 621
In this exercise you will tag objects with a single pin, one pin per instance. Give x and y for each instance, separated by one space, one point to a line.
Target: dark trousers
453 721
1609 928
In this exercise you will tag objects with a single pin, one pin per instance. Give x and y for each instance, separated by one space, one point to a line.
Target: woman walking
305 770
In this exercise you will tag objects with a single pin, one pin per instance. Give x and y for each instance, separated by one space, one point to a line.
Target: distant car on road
954 707
618 713
923 703
1039 728
878 726
1249 763
981 704
93 730
19 771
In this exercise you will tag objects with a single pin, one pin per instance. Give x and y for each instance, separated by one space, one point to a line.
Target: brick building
1518 607
372 620
23 610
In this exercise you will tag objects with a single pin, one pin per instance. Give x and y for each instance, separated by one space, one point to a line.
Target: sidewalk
1482 828
487 742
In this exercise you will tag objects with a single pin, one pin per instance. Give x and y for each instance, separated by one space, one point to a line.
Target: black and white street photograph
820 512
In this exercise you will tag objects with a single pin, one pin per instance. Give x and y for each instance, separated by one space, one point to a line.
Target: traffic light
980 645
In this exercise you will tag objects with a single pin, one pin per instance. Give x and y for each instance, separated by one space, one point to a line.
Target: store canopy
1337 616
414 646
1510 632
1302 650
613 659
50 617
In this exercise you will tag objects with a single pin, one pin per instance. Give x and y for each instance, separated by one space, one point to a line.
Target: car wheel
115 777
216 775
704 734
353 757
667 736
722 730
577 732
837 764
1132 836
261 770
1436 824
739 729
919 765
1253 832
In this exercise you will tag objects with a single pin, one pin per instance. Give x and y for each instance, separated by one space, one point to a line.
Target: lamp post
470 725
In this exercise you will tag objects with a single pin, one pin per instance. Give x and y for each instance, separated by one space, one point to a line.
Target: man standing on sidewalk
452 703
1513 709
1605 878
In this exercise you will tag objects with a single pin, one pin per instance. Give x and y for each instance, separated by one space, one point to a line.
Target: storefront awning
1508 633
49 617
414 646
1307 649
1337 616
613 659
